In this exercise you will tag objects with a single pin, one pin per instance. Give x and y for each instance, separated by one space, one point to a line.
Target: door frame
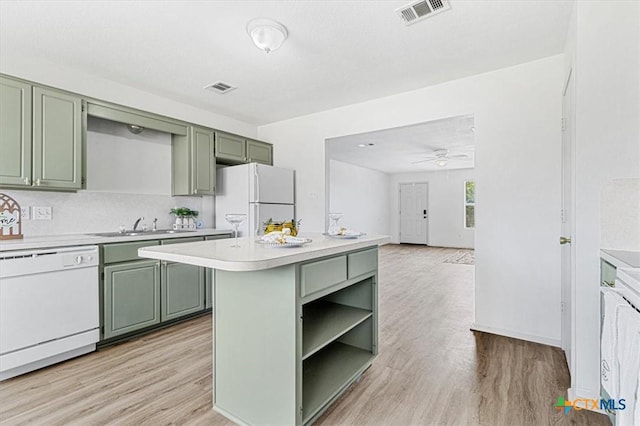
400 207
568 289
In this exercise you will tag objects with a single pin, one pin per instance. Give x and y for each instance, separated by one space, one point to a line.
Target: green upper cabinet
259 152
15 132
194 162
41 135
57 139
232 149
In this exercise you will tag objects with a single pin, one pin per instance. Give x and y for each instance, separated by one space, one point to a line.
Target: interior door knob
565 240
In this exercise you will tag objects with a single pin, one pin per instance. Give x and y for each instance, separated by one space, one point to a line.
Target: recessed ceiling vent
220 87
421 9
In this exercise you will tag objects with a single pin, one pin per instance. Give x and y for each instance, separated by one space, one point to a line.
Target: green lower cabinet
131 297
182 290
210 276
208 289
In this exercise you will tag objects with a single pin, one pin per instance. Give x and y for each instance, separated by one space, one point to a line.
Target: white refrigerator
261 192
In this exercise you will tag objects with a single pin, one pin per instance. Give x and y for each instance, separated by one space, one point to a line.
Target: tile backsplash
620 215
92 211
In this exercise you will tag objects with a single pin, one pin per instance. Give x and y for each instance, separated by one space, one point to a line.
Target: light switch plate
42 213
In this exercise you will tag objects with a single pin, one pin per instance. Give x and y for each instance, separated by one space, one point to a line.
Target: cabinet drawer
362 262
217 237
317 276
181 240
121 252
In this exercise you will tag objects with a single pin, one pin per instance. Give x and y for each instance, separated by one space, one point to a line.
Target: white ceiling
337 53
399 149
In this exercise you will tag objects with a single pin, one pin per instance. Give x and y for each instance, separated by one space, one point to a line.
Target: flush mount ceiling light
442 162
266 34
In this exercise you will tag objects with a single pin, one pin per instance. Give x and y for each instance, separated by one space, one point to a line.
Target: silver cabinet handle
27 181
157 265
38 182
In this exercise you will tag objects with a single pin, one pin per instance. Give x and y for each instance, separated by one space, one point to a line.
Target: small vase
192 223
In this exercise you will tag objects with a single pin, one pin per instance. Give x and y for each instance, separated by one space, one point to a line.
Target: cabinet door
259 152
182 290
131 296
203 161
231 148
15 132
210 276
57 139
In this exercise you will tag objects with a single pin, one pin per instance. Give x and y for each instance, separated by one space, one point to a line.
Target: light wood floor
431 369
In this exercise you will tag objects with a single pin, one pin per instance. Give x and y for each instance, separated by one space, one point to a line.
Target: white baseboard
517 335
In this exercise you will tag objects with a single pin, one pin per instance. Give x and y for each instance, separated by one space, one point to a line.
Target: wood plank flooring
431 369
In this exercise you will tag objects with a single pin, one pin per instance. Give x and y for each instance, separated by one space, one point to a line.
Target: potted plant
185 217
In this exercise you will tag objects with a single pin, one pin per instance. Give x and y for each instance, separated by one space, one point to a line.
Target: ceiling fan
441 157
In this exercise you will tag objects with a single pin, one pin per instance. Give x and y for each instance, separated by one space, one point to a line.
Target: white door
270 184
567 215
414 213
260 213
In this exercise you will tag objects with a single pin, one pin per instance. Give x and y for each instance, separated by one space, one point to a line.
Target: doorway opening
410 182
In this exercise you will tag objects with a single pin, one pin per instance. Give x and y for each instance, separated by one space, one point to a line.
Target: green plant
184 212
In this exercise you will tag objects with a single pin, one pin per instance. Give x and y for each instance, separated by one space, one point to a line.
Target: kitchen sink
137 233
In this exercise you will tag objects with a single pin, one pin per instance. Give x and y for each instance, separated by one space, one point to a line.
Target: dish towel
628 362
608 364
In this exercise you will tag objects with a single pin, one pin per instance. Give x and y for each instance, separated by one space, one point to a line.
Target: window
469 204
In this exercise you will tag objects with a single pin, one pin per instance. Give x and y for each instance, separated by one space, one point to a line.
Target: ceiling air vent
421 9
220 87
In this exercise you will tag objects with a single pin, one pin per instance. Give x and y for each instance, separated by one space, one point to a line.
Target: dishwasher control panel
30 262
85 258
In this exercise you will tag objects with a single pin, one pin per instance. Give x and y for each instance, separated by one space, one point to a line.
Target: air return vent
220 87
421 9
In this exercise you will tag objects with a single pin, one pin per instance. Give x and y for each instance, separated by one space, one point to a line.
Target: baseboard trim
517 335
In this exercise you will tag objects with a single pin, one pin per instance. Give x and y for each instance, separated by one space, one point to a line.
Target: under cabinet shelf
323 322
328 372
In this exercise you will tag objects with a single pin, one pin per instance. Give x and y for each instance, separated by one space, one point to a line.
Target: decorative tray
349 236
287 244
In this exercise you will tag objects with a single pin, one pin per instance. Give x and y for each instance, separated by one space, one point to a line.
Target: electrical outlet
42 213
25 213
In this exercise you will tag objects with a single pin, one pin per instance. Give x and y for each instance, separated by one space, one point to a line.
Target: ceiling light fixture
442 162
266 34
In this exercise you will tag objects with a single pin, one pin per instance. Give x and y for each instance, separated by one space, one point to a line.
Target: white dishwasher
48 307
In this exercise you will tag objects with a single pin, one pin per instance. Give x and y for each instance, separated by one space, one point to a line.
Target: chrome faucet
135 225
155 225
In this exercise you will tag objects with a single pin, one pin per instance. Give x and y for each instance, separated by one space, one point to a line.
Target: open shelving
328 372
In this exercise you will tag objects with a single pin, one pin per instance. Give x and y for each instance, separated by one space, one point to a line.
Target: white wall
603 47
446 206
517 137
15 63
362 195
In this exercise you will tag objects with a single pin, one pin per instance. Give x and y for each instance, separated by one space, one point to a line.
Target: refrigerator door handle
256 221
256 185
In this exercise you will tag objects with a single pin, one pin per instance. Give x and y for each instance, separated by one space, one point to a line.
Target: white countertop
28 243
621 258
253 256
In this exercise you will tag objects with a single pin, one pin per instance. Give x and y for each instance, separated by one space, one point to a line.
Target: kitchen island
293 326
